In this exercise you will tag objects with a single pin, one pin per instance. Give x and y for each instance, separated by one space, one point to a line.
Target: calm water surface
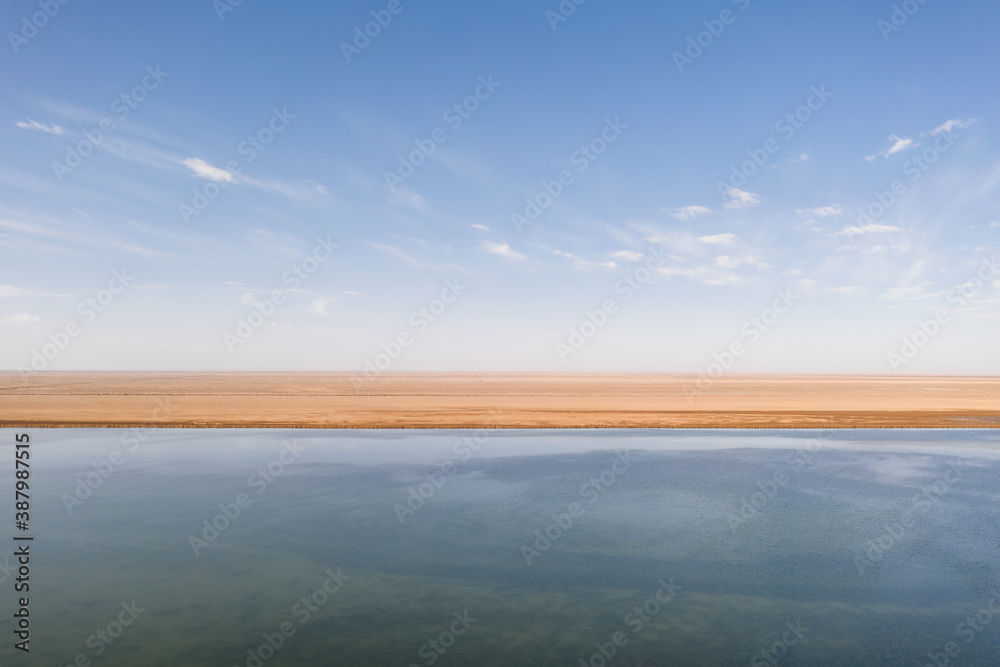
630 548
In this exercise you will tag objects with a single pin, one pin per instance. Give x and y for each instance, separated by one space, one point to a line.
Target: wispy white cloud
406 259
482 228
689 212
293 191
408 199
950 125
679 243
868 229
322 189
204 170
718 239
131 150
586 264
11 291
320 306
908 292
898 145
503 250
820 212
27 227
627 256
23 318
727 262
710 275
35 125
414 262
741 198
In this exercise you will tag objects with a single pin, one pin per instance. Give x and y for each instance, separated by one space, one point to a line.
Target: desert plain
459 400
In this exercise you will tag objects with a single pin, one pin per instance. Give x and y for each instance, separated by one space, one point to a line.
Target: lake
598 547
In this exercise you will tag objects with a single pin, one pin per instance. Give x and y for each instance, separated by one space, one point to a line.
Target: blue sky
245 137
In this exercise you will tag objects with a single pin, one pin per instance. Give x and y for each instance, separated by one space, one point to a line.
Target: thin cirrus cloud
42 127
868 229
898 145
741 198
718 239
23 318
503 250
821 212
727 262
689 212
204 170
318 187
627 256
950 125
585 264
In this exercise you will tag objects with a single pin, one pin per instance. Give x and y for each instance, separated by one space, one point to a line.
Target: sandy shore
336 400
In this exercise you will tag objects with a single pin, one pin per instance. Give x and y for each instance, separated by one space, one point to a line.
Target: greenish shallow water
687 547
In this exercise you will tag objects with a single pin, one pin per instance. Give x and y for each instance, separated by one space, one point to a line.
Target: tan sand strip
338 400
